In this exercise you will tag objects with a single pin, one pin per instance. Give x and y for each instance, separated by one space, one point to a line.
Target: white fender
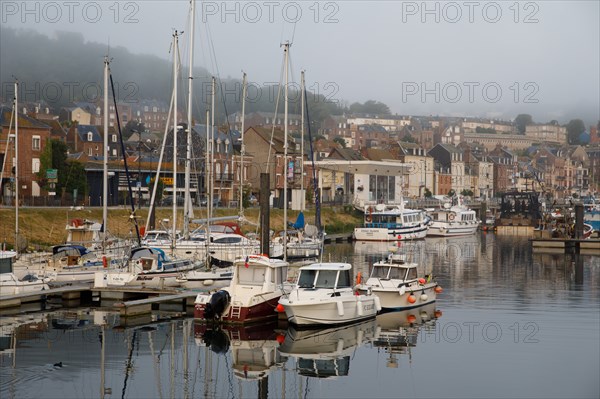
402 290
359 307
340 308
377 303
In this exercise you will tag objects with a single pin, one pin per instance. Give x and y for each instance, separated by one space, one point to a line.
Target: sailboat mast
105 160
302 142
175 70
207 174
243 147
212 148
286 48
187 202
17 167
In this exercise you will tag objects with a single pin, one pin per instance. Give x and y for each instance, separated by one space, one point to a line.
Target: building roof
24 120
83 130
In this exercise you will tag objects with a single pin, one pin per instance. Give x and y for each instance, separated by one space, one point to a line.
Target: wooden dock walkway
66 292
143 306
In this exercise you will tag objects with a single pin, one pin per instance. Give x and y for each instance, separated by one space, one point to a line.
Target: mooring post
265 197
579 221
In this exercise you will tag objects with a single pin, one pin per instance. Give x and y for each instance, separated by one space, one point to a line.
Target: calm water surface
508 324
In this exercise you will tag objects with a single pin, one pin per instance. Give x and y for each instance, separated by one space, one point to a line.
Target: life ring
358 278
369 216
77 222
451 216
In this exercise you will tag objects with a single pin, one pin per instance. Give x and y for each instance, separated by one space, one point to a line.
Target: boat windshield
254 275
380 272
307 278
411 274
396 273
326 279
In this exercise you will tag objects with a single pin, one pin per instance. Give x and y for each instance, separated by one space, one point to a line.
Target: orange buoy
438 289
421 281
279 308
412 298
104 262
77 222
142 231
411 318
358 278
438 314
280 338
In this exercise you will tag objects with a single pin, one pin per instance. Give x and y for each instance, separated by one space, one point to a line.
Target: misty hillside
67 62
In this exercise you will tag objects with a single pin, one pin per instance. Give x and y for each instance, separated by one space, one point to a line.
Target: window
90 136
36 142
326 279
114 138
307 278
35 165
251 275
90 151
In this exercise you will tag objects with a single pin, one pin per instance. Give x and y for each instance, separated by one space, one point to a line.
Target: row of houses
439 160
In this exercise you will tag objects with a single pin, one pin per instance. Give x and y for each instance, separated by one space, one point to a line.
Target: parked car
168 200
204 202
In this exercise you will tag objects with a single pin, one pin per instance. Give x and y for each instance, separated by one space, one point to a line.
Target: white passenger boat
397 284
324 295
453 220
392 223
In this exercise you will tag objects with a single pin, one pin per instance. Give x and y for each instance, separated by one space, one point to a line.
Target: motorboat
397 284
324 295
252 295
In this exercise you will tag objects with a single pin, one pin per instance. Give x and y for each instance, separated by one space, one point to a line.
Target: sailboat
9 283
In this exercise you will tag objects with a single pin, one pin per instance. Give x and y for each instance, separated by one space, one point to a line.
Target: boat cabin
393 218
394 269
6 261
257 273
330 275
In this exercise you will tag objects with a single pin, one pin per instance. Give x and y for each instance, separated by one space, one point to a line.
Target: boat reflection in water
325 353
253 348
397 332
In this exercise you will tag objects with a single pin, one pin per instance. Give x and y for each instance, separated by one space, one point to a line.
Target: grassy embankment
43 227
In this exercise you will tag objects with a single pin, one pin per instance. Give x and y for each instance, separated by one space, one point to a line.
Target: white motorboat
392 223
453 220
258 283
323 295
397 284
10 284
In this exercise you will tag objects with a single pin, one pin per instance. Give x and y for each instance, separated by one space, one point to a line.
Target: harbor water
509 323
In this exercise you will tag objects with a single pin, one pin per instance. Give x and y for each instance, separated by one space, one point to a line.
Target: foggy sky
479 58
